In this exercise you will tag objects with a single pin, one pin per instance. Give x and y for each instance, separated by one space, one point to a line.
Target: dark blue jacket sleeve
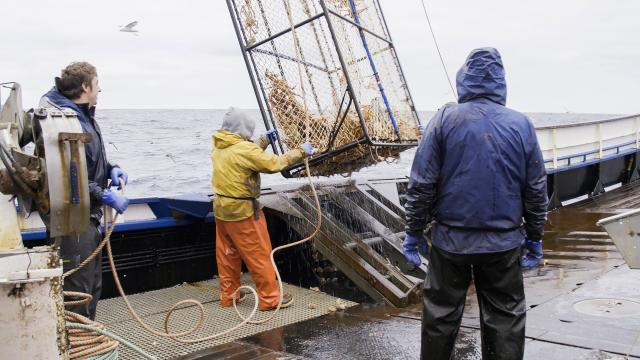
423 181
95 194
535 191
110 167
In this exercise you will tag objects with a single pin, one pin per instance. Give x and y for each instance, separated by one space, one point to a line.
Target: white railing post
600 140
554 143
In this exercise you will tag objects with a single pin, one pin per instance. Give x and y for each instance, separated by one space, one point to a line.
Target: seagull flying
129 27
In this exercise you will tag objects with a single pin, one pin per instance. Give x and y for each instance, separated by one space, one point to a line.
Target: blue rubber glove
270 135
531 253
115 199
116 173
308 148
410 248
421 128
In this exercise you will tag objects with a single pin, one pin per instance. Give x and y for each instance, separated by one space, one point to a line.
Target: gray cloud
572 55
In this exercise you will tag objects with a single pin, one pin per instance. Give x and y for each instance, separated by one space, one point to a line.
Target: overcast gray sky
569 55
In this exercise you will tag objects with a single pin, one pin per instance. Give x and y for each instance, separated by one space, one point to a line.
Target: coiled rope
88 339
113 354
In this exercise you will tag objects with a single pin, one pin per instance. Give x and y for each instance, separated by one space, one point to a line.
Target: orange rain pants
245 241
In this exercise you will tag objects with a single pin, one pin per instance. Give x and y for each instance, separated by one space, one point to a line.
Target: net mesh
350 138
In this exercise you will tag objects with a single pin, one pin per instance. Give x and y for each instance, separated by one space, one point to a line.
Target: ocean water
168 152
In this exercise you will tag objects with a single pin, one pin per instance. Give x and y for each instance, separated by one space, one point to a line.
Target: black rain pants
498 280
74 250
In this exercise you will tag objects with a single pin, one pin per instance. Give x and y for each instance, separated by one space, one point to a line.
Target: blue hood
60 100
482 76
84 111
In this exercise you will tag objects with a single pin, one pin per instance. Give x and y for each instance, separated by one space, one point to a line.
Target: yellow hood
223 139
237 164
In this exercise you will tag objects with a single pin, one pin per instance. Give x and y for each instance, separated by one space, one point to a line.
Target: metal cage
356 98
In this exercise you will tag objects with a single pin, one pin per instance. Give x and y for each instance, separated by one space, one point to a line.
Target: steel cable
444 67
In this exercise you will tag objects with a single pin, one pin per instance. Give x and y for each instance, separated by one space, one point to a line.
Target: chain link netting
330 119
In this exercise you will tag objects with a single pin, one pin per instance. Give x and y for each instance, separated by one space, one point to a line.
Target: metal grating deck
151 306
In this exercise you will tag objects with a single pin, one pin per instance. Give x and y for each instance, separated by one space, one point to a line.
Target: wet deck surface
152 306
581 263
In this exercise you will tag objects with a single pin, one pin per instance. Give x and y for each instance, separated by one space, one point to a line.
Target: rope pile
86 343
88 339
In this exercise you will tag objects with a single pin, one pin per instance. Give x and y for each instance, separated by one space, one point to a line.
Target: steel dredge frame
261 96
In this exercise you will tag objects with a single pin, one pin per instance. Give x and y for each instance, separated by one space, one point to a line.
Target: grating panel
111 311
152 307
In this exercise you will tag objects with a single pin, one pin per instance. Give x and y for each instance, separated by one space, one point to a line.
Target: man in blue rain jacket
478 178
77 89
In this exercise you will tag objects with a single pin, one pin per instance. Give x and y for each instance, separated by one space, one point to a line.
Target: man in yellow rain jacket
241 229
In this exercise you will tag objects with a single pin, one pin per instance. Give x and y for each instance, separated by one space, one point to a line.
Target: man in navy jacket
77 89
479 179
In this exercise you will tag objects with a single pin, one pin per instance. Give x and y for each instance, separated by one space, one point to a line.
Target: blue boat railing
574 145
584 159
589 157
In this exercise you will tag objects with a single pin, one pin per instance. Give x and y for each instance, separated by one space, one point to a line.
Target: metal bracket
598 189
633 172
74 140
554 202
66 173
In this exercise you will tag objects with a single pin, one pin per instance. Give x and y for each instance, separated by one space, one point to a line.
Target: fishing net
350 99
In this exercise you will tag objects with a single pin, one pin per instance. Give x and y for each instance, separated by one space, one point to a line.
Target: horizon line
256 109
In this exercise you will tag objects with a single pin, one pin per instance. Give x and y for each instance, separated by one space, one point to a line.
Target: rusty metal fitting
7 186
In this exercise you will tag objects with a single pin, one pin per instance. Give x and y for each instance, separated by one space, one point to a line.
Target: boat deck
580 265
153 305
584 303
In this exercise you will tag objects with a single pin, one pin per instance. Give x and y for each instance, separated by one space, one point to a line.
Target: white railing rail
574 144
